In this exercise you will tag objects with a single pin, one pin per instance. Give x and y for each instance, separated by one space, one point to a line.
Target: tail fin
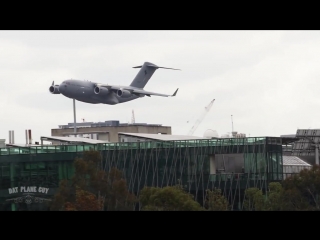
145 73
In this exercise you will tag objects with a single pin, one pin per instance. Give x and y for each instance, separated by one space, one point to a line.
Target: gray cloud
268 80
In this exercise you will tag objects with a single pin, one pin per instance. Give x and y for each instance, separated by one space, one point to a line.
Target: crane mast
195 126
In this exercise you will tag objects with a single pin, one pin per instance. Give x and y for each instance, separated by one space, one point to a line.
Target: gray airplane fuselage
83 91
92 92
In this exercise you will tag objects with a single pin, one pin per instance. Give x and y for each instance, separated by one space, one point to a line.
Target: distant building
304 144
293 165
2 143
238 135
108 130
234 135
209 134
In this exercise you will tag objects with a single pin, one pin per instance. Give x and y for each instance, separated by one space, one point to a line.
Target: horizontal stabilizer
154 66
170 68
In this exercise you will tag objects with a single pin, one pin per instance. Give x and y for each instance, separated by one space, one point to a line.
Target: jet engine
123 93
101 91
54 89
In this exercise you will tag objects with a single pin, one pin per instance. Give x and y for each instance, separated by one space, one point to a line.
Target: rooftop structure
71 140
293 165
138 137
109 123
108 130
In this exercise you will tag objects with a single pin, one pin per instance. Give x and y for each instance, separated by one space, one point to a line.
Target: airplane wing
137 91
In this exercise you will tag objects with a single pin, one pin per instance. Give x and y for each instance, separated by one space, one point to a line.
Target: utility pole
133 120
74 116
232 123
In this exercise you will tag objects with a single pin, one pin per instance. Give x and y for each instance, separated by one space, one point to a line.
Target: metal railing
133 145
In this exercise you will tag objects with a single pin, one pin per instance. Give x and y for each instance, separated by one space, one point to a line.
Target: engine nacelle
123 93
101 91
54 89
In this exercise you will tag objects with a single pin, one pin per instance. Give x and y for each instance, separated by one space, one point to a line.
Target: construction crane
195 126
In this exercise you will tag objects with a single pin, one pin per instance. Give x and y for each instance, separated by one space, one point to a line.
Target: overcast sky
268 80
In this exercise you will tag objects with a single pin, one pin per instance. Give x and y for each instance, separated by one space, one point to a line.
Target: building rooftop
161 137
288 135
293 160
110 123
22 145
88 132
72 140
86 144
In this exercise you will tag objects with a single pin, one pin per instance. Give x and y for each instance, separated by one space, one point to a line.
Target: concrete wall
123 138
103 136
113 131
2 143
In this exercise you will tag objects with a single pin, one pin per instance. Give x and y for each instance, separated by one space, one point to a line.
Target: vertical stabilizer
143 76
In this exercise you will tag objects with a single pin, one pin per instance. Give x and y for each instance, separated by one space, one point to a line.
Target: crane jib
199 120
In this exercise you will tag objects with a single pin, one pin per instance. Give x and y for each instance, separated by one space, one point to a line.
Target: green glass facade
229 164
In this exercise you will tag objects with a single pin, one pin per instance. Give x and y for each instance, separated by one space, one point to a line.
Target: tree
91 188
117 197
215 201
85 201
304 189
254 200
170 198
275 197
294 201
62 196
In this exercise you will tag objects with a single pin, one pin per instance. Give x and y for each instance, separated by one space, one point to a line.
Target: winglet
175 93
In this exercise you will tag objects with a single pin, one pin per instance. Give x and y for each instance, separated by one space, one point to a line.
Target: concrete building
2 143
147 159
31 174
108 130
304 144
